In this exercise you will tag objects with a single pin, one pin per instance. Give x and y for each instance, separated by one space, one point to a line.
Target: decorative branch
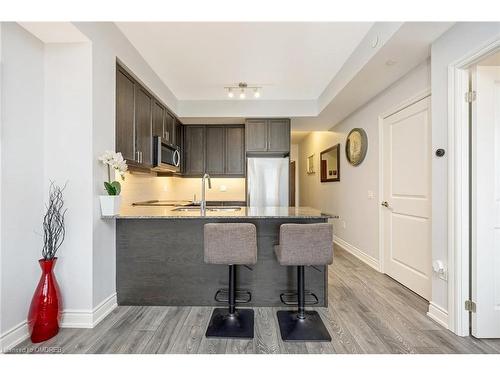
54 230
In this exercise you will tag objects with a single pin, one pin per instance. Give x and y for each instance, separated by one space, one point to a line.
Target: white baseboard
103 309
438 314
14 336
88 318
69 319
361 255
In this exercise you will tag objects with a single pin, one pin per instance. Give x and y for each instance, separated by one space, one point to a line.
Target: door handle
385 204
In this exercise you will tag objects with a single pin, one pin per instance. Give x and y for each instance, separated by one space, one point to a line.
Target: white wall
22 176
68 158
108 44
348 198
461 40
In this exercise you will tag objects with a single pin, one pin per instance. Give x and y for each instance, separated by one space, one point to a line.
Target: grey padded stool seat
304 245
231 244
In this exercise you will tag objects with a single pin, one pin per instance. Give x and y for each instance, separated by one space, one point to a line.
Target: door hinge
470 96
470 306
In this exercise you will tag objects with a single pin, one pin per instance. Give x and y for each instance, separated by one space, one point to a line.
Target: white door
486 203
406 197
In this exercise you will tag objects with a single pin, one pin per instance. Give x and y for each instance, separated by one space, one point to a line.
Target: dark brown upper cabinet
143 130
278 138
234 151
125 124
194 150
264 136
169 130
216 150
158 119
140 115
256 135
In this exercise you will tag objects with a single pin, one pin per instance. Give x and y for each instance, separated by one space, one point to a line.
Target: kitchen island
159 256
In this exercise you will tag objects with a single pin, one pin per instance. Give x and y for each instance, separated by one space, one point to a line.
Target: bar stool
303 245
231 244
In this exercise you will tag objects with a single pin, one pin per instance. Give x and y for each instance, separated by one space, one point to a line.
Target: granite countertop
168 212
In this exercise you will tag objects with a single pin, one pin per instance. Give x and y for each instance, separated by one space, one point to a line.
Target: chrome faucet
203 203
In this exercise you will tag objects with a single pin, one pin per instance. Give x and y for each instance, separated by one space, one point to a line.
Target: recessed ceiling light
390 62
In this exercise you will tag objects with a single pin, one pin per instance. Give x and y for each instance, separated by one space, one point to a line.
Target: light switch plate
371 194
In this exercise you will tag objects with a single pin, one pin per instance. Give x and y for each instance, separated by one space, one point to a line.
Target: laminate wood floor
368 313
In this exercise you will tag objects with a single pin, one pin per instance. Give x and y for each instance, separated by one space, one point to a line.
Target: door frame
458 187
404 104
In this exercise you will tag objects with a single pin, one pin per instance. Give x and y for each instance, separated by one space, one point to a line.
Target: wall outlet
440 269
222 188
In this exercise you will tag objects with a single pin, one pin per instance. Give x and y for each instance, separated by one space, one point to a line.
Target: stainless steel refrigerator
267 182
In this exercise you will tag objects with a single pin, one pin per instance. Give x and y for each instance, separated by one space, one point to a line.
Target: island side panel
160 263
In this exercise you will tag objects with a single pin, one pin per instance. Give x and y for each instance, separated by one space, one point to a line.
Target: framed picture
330 164
310 164
356 146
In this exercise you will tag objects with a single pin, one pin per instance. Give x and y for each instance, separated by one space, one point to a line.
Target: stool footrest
291 298
241 296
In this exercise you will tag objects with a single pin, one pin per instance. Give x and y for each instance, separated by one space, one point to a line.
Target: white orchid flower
115 161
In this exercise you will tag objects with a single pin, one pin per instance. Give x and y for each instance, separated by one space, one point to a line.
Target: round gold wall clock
356 146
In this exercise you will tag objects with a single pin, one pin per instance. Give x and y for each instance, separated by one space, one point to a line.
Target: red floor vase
45 308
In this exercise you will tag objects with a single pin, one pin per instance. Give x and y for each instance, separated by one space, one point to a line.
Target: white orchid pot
110 205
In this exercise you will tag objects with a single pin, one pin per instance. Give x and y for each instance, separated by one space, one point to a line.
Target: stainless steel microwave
166 157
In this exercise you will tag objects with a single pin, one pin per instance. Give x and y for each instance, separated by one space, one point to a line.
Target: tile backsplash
141 187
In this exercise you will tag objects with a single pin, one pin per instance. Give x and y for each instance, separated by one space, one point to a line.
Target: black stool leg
301 296
231 323
302 325
232 282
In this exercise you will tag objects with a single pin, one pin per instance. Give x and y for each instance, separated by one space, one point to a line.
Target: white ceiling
55 32
292 60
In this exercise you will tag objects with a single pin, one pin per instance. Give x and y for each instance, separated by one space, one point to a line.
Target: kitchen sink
229 209
186 209
221 209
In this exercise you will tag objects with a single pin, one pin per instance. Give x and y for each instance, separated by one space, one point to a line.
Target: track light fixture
242 88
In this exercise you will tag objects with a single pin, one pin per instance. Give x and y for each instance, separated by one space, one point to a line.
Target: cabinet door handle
177 158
